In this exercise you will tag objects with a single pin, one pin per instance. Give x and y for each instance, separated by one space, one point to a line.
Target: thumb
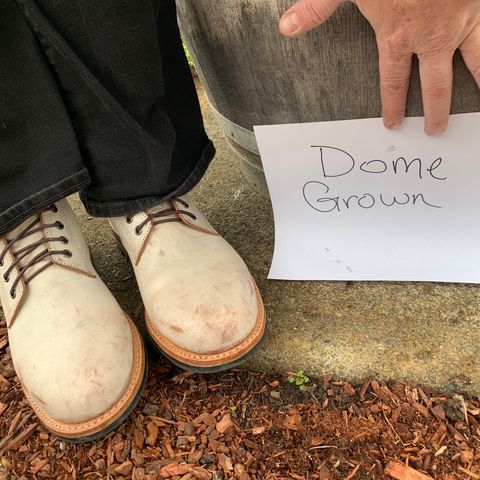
305 15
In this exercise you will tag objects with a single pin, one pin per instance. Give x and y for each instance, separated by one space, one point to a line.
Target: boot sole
101 425
215 369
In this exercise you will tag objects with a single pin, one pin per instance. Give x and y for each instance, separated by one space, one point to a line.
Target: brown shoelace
19 255
157 217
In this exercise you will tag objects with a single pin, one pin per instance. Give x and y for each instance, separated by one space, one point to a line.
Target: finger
436 76
305 15
470 49
395 68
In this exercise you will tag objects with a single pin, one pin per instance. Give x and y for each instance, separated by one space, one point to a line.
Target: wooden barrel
254 76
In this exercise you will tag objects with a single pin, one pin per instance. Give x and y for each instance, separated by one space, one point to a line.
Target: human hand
431 29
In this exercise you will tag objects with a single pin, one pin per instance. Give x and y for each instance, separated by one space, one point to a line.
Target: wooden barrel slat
254 76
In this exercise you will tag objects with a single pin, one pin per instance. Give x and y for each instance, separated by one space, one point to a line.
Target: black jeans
95 96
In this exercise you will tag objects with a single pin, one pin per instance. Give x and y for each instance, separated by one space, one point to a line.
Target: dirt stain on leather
176 329
221 320
93 377
39 399
252 289
229 332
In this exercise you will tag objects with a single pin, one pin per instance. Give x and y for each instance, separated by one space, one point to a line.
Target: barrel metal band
238 134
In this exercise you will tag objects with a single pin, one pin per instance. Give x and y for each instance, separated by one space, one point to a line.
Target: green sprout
299 379
187 53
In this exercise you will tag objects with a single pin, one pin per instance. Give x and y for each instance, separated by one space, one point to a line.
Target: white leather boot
202 306
80 359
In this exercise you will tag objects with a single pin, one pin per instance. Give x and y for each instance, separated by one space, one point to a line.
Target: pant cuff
129 207
16 214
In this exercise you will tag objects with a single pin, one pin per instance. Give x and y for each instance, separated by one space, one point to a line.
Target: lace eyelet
13 294
6 278
129 219
194 217
67 253
54 208
64 240
59 225
138 231
1 263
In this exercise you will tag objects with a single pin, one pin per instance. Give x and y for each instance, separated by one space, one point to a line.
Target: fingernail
436 130
289 24
395 126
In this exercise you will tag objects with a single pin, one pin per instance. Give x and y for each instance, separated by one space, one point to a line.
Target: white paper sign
354 201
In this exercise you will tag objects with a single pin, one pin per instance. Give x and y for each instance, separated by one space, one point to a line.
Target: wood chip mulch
254 426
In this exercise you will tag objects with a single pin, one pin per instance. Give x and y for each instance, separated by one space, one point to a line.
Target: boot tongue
162 211
20 228
166 205
27 241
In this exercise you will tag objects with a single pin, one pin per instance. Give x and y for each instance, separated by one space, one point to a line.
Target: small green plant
189 59
233 408
187 53
299 379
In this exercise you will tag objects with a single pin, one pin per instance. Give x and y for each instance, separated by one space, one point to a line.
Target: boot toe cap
80 376
209 315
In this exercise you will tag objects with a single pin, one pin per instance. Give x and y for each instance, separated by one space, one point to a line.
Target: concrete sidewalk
429 333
